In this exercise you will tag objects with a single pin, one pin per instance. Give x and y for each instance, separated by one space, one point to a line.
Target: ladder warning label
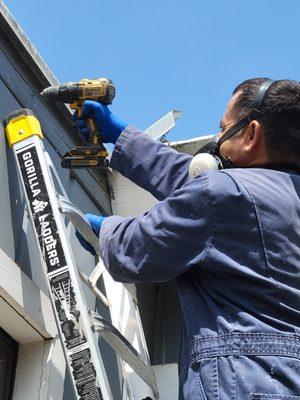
84 375
63 295
68 314
41 209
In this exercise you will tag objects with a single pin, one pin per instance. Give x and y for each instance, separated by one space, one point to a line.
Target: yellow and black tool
94 154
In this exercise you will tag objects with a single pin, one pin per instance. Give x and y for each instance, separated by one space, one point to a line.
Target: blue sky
186 55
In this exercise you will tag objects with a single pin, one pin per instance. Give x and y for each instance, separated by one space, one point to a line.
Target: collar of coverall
288 168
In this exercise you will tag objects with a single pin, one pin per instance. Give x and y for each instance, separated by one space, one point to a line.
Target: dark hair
281 106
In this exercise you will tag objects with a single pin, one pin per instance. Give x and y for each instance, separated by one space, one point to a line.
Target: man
229 237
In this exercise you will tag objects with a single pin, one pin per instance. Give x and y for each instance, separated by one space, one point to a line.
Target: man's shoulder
246 174
239 181
255 174
216 183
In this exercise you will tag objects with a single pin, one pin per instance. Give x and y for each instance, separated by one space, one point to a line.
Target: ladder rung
96 273
94 289
124 349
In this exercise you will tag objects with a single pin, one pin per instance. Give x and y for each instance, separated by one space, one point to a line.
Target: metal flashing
191 146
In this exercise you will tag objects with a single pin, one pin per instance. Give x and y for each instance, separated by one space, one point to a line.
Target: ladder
76 325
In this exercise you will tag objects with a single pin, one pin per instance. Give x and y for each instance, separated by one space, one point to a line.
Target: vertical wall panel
7 104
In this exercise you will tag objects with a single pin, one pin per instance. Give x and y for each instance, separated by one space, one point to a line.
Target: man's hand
95 222
109 125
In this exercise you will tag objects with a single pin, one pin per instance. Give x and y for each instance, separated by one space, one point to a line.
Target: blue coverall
231 239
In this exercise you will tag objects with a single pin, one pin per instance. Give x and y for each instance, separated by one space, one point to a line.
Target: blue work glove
95 222
109 125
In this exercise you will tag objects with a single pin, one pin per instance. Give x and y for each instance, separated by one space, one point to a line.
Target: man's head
267 138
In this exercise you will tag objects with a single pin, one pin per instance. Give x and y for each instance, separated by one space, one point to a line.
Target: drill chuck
51 93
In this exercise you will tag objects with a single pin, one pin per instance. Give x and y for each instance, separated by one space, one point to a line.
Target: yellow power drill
94 154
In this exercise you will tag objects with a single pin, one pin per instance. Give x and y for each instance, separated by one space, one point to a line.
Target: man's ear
254 136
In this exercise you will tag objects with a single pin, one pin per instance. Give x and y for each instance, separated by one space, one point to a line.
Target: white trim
40 371
25 311
167 381
26 315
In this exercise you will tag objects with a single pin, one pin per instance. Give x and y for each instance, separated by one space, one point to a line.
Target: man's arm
164 242
150 164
